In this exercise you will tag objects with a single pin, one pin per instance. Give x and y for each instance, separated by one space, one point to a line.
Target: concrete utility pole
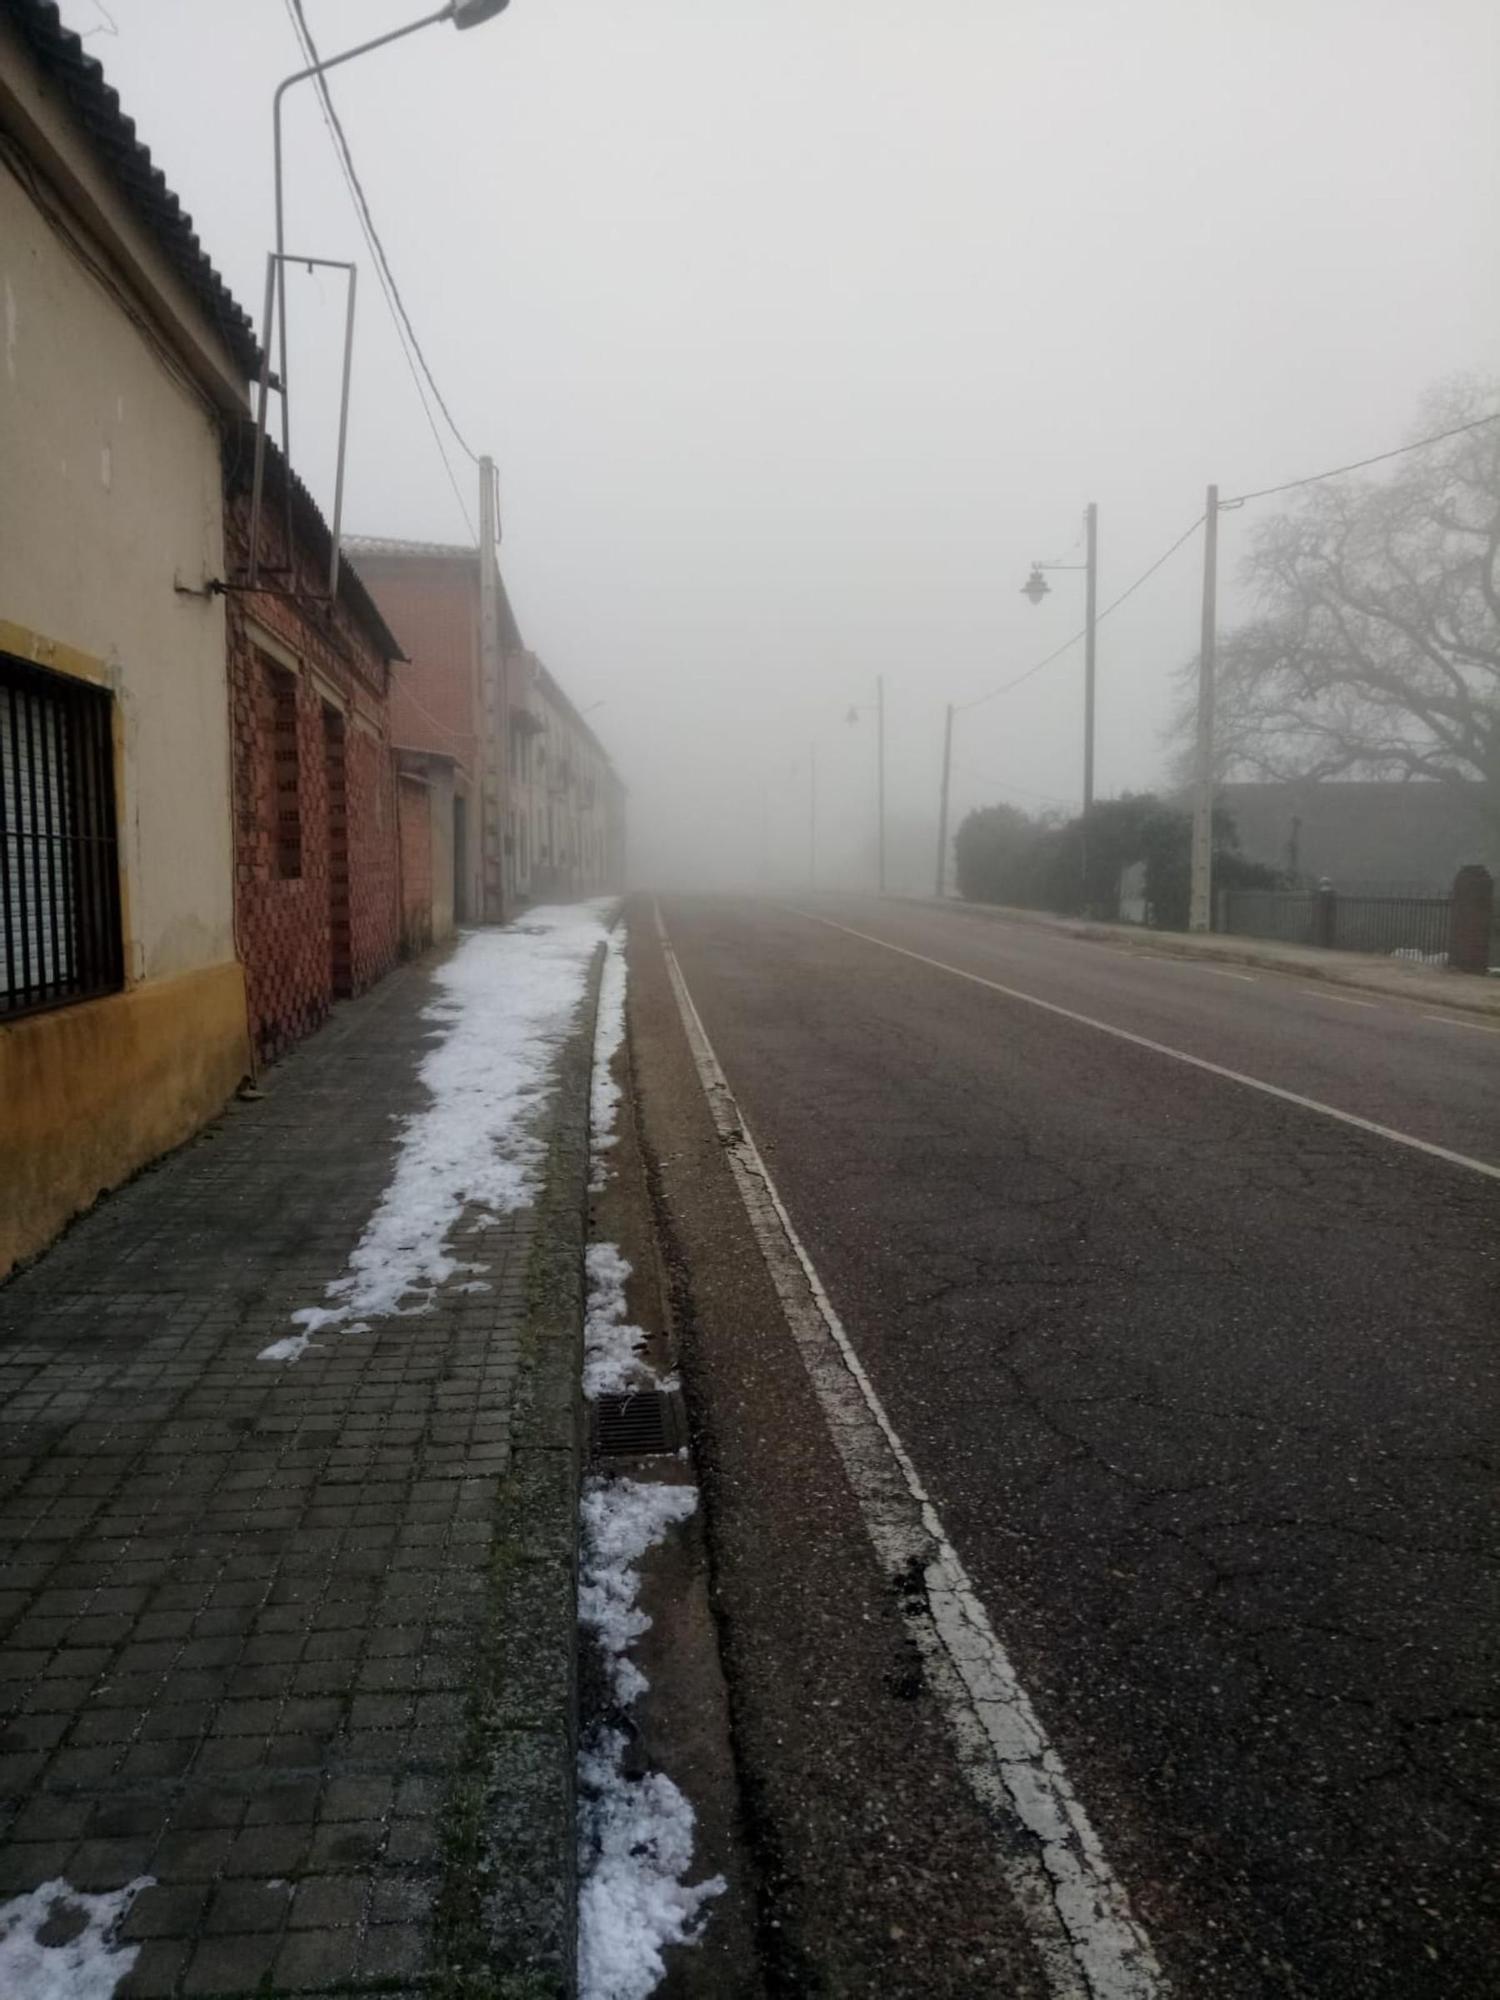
1200 900
942 853
812 816
880 751
493 716
1091 599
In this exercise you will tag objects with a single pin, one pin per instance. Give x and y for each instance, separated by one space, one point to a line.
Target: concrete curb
507 1927
1465 995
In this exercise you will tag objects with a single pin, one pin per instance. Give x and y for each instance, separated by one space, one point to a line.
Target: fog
799 330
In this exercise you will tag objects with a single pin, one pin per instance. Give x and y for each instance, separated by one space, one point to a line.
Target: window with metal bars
59 862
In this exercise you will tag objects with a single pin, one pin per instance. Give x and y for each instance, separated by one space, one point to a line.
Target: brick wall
316 866
432 606
414 802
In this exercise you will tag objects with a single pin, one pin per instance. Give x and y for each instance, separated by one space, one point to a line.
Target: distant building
1412 836
429 594
122 1006
523 802
566 810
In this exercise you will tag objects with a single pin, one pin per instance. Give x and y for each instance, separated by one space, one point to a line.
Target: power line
1068 644
405 332
1359 464
1261 493
373 234
1007 785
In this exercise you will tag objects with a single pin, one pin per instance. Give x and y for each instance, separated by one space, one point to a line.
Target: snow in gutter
635 1834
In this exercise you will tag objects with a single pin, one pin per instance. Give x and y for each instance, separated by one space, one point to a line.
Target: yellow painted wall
92 1093
112 492
112 384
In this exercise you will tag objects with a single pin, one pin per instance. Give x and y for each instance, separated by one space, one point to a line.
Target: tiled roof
311 530
95 106
384 545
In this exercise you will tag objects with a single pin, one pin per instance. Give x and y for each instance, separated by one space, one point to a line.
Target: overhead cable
1359 464
1068 644
411 348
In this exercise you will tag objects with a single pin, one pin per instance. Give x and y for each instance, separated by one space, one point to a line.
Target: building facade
428 592
122 1005
317 895
565 819
518 784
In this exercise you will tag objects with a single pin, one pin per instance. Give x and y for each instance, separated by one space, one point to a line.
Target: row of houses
222 808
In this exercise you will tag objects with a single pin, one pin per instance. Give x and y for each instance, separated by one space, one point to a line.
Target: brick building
318 899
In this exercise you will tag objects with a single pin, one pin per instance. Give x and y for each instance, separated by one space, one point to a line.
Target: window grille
59 859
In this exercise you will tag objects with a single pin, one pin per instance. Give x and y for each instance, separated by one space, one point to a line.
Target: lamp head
1036 586
471 13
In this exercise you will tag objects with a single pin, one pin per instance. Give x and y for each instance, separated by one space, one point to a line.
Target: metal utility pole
492 708
880 743
942 853
1200 900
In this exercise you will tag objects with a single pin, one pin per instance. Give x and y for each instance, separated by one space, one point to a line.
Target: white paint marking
1448 1021
1162 1049
1343 999
1218 971
1086 1939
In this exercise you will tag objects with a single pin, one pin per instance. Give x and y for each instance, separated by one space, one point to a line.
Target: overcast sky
799 328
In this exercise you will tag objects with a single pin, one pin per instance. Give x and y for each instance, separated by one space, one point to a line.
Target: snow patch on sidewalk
506 1003
56 1942
635 1833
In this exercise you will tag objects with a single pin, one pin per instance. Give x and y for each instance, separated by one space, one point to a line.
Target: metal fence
1399 926
59 867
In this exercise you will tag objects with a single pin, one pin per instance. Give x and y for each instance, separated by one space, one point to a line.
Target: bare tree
1376 653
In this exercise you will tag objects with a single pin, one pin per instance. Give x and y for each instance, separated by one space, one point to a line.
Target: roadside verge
1393 978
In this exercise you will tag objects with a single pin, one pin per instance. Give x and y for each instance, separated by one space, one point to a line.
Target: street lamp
855 711
463 14
1036 587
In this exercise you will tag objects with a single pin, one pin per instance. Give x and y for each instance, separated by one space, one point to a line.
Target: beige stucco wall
111 491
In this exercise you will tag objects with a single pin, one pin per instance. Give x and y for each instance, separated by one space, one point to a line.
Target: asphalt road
1202 1382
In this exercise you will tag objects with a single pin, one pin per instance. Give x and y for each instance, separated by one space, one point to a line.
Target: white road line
1448 1021
1162 1049
1343 999
1077 1911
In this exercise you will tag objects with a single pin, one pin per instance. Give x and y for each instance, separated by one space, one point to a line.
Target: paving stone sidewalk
248 1612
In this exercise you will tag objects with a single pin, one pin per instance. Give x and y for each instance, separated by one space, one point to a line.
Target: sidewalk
287 1646
1394 978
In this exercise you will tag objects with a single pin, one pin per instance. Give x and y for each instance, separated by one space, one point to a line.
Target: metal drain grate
646 1420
